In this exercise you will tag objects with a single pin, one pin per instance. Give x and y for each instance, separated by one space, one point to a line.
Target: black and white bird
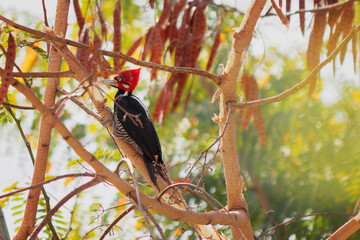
138 131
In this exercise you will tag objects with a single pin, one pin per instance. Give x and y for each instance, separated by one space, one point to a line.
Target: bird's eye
126 85
117 78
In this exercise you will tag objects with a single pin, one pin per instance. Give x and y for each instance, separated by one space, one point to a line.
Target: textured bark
42 153
234 182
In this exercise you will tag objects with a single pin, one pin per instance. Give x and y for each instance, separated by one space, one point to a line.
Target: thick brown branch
62 74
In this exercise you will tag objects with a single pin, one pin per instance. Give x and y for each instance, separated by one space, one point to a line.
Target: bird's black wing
144 134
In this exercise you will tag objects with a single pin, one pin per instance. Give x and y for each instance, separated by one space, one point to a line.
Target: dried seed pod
102 22
347 20
215 46
315 42
78 13
117 33
302 16
8 70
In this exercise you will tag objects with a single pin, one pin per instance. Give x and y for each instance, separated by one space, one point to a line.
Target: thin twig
72 213
188 185
48 216
79 103
18 107
138 202
303 83
123 214
46 182
45 15
230 105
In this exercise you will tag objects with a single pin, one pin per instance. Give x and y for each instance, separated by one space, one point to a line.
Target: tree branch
300 85
46 182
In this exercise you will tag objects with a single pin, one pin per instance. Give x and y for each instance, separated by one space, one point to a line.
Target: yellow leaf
122 201
222 37
286 137
263 81
177 232
48 166
93 128
138 225
30 58
67 181
357 94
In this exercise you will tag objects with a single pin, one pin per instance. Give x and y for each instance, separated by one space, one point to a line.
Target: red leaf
83 55
172 29
8 70
78 13
157 49
334 14
347 20
260 125
302 16
179 90
315 42
288 8
117 33
188 96
152 2
149 41
165 12
163 102
102 22
215 46
252 93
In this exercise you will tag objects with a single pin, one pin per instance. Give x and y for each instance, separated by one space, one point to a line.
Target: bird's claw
108 121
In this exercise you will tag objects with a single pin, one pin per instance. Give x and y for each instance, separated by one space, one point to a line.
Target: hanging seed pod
8 70
315 43
215 46
102 22
302 16
117 33
79 17
347 20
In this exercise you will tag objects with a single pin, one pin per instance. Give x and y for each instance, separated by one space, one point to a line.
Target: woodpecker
138 130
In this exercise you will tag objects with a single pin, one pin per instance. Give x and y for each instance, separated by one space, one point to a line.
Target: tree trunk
43 145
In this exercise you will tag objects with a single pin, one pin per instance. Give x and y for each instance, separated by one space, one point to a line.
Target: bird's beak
108 82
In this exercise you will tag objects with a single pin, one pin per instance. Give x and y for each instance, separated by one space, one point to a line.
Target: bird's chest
120 133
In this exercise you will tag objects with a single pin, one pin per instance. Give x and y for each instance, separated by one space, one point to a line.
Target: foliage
308 163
